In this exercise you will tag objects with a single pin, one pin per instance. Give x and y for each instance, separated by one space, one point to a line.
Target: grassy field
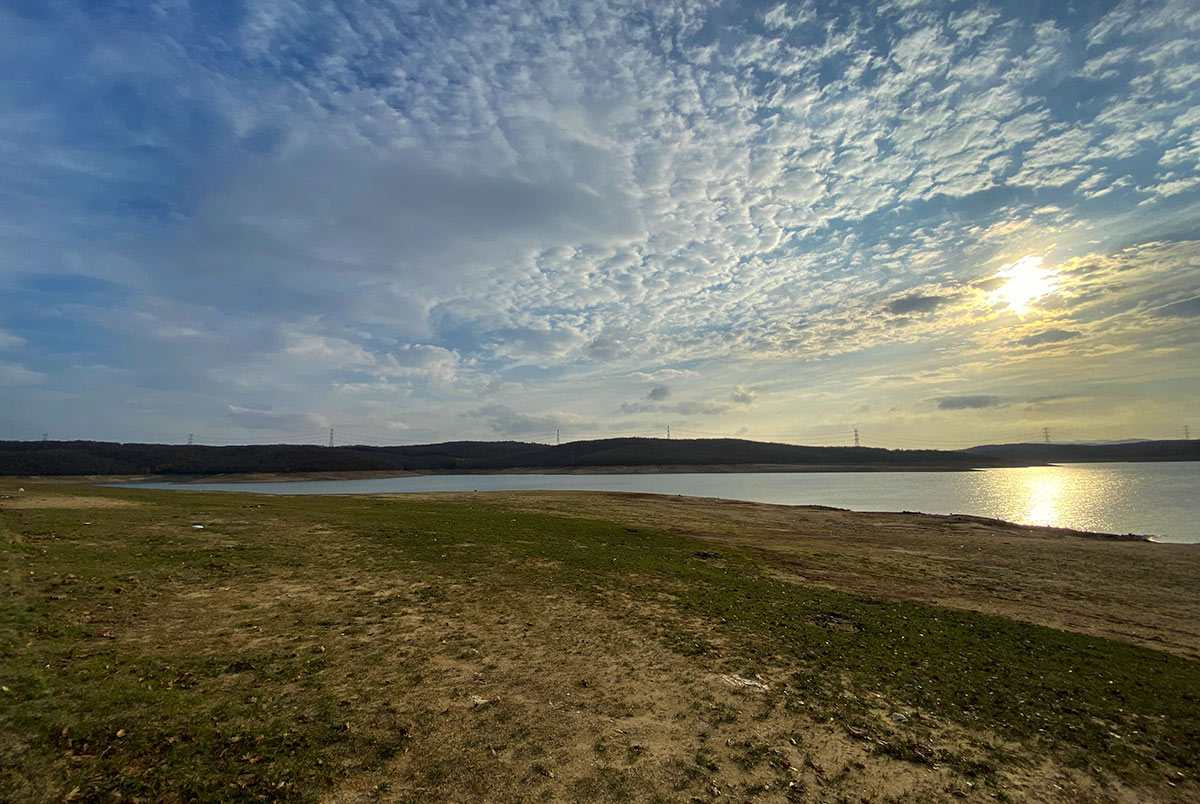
451 649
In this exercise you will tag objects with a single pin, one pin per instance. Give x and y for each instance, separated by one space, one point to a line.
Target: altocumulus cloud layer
411 221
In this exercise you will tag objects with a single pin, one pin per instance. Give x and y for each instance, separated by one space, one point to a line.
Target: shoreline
911 518
380 474
915 517
641 469
233 481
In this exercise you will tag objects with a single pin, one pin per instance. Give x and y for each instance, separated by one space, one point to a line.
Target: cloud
380 222
530 343
1054 335
1184 308
389 217
1053 398
14 375
662 375
434 362
652 402
508 422
692 407
916 304
260 419
743 396
977 402
658 393
8 341
604 347
633 408
700 408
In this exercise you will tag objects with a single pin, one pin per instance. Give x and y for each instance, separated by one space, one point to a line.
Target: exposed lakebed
1154 499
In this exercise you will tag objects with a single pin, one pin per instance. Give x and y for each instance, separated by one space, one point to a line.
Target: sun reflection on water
1043 494
1050 496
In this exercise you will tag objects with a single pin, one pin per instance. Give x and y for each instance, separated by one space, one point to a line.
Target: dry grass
1139 592
366 649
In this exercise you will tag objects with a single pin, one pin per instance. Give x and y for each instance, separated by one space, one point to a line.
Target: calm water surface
1155 499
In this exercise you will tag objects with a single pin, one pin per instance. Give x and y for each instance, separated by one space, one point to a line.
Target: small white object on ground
746 682
197 527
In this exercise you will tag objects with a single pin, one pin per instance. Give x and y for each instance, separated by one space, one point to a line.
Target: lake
1153 499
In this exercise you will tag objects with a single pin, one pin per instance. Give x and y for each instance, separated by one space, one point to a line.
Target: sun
1025 281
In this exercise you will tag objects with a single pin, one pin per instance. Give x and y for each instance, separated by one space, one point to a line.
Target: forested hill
1178 450
103 458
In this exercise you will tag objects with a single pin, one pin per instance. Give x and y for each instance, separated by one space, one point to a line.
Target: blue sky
942 223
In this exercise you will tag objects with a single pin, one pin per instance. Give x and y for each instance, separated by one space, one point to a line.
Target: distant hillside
720 452
106 458
103 458
1178 450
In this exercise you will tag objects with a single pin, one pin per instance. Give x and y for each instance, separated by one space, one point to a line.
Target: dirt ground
504 695
1140 592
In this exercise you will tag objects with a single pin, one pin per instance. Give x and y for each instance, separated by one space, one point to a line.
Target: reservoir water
1152 499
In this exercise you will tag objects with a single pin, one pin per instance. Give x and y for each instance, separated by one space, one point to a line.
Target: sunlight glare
1042 494
1025 281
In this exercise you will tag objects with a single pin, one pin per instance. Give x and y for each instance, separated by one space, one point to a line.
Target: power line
313 438
928 443
618 433
831 437
823 437
346 434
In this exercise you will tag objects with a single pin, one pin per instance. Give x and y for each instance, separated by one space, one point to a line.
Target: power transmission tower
191 439
331 436
668 431
1046 434
856 437
557 437
45 436
1187 434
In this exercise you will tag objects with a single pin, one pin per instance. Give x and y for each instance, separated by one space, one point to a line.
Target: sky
940 223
